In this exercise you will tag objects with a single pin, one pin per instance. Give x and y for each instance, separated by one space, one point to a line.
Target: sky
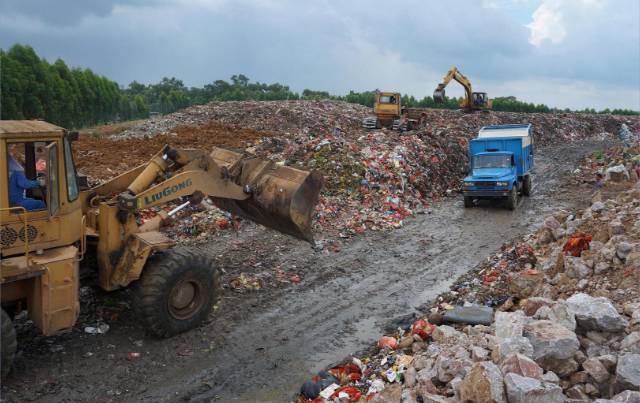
563 53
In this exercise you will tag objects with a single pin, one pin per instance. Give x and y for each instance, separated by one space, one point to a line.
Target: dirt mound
101 158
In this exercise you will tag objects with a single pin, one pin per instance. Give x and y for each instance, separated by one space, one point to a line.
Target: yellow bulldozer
391 114
50 220
472 101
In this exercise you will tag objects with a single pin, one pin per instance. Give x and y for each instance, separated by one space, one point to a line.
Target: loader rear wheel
177 291
8 343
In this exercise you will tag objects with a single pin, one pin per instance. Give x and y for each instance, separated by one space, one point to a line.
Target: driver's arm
25 183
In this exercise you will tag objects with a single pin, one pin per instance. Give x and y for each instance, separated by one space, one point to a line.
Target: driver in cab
19 184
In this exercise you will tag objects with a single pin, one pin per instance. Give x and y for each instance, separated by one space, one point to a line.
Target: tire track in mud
347 298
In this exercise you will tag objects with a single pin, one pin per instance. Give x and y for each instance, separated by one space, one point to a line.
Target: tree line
33 88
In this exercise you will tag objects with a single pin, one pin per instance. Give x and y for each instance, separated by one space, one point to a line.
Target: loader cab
39 206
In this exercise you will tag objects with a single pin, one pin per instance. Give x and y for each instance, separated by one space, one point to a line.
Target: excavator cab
480 99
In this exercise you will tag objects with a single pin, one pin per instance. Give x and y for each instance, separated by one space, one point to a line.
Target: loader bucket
438 96
282 198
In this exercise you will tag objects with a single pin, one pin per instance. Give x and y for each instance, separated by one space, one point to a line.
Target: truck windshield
492 161
387 99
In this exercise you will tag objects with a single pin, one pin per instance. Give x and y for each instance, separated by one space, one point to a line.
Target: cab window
70 172
27 172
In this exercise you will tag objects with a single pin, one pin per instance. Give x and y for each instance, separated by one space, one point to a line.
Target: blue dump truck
501 160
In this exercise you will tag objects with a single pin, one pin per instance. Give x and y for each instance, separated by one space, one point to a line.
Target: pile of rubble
552 317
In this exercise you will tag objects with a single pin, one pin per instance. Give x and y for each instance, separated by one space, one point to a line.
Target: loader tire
176 291
527 186
8 343
512 199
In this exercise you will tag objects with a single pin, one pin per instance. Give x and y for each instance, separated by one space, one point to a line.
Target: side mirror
72 136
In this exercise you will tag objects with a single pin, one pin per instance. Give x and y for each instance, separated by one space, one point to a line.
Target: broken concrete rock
575 267
596 369
551 340
596 313
509 324
521 365
521 389
447 335
531 305
631 343
629 396
558 312
628 373
510 345
483 384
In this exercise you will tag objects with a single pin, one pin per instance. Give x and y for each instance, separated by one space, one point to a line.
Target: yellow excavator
56 220
472 101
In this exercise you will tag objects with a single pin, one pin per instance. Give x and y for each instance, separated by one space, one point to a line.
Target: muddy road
261 345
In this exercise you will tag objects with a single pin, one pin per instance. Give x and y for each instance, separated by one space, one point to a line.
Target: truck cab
501 159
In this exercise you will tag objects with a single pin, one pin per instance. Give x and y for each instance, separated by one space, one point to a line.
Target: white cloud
547 23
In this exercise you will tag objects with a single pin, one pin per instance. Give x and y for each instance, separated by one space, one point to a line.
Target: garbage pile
553 317
283 116
374 180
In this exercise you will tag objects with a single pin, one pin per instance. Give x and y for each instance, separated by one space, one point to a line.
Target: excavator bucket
282 198
438 95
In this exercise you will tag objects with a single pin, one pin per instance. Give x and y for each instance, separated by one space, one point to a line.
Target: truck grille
485 184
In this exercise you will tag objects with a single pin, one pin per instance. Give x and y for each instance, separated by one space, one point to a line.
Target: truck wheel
8 343
177 291
468 201
512 199
527 186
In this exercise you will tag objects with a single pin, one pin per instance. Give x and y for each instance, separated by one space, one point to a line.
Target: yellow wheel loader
472 101
50 220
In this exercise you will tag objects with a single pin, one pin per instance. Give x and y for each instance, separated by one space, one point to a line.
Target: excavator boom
472 100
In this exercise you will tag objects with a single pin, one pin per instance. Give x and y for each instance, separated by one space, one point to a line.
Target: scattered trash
388 342
132 356
245 282
100 328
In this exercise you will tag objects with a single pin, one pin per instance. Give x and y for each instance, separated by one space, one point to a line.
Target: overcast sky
566 53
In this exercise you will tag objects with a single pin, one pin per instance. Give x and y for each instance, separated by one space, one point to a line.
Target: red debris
576 244
346 373
422 328
354 393
386 341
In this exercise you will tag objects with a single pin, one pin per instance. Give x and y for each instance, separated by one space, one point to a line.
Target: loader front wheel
177 291
8 343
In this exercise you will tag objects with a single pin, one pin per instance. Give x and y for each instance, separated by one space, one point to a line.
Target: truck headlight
468 184
503 184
